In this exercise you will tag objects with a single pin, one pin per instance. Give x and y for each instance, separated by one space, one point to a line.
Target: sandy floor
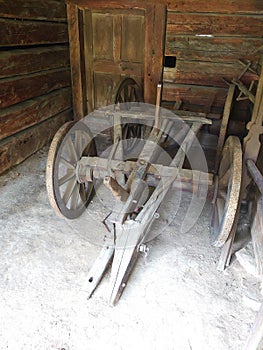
175 299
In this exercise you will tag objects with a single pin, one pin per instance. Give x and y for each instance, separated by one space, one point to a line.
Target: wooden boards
208 41
14 150
110 41
34 76
48 10
14 33
33 111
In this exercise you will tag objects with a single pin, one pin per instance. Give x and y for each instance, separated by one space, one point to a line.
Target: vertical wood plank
88 59
76 54
155 22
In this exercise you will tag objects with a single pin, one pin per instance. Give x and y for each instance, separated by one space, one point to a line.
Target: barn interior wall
211 41
35 84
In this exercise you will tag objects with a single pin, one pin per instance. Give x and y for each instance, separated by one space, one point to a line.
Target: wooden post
157 108
224 123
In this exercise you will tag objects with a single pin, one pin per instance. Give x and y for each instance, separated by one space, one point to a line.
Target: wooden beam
77 64
155 21
20 33
255 339
14 150
215 24
224 124
224 6
212 49
50 10
26 114
194 94
205 73
17 62
15 90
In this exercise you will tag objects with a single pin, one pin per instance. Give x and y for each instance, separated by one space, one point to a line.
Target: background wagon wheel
67 196
129 92
226 197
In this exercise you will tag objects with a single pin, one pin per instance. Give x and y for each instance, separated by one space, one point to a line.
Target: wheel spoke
75 197
68 191
83 193
220 205
126 93
222 194
66 163
69 175
132 94
71 150
78 143
224 179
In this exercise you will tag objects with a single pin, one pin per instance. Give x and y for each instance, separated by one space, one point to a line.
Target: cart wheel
129 91
227 191
67 196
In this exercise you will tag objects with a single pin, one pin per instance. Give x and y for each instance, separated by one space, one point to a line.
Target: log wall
35 86
208 39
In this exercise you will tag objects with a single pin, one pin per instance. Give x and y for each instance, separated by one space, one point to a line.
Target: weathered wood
214 24
155 34
105 48
205 73
194 94
257 235
15 90
17 62
224 124
224 6
50 10
245 91
77 64
18 32
30 140
255 338
26 114
212 49
251 144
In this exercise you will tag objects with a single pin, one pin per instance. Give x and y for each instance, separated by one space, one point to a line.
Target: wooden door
109 41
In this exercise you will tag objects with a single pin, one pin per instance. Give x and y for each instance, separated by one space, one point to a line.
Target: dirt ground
175 298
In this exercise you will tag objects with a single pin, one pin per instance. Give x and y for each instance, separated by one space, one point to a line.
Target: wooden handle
157 106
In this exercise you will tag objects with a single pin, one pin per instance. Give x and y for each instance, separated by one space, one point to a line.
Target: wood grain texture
50 10
195 95
19 62
18 89
219 49
205 73
224 6
257 234
19 33
77 65
30 141
31 112
155 21
215 24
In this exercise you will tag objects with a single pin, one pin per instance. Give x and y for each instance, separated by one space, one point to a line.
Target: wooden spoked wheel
67 195
227 191
128 93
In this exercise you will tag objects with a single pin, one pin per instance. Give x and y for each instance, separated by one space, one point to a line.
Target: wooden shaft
255 338
157 108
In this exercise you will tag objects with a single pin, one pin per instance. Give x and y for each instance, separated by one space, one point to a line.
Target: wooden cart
72 167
